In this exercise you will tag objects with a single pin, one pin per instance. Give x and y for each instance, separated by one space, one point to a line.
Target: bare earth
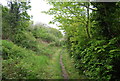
64 73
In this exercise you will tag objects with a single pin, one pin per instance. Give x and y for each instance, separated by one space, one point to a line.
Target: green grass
69 66
37 65
32 54
53 70
22 63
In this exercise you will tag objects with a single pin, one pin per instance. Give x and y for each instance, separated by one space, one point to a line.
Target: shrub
98 59
46 34
10 50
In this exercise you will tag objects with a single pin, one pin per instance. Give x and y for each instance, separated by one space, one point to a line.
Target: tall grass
70 67
31 56
22 63
53 70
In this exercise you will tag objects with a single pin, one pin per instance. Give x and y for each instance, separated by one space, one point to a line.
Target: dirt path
53 70
64 73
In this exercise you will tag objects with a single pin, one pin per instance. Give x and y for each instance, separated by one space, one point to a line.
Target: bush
46 34
26 39
98 59
10 50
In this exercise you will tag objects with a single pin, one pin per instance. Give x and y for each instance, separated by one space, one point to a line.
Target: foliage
21 63
69 65
5 23
92 39
46 34
26 40
97 58
26 51
55 32
104 25
13 51
15 19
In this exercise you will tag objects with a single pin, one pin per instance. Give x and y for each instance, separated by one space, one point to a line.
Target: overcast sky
36 7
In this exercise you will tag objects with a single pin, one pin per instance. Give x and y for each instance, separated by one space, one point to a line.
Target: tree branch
87 7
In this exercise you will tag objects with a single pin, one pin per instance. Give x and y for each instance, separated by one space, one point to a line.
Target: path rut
64 73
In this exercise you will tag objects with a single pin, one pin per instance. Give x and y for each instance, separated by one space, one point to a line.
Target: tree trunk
88 22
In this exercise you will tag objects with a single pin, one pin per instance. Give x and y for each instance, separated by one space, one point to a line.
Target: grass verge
53 70
73 73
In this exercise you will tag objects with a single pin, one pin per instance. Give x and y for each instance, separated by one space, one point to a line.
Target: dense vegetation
92 39
26 49
92 36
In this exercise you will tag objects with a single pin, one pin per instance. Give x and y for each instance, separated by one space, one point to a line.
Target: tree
107 19
15 18
97 55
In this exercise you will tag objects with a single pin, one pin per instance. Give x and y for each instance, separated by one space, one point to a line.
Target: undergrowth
27 57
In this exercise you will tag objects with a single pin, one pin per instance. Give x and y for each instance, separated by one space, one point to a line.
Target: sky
36 7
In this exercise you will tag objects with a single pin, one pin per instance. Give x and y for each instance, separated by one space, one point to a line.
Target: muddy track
64 73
